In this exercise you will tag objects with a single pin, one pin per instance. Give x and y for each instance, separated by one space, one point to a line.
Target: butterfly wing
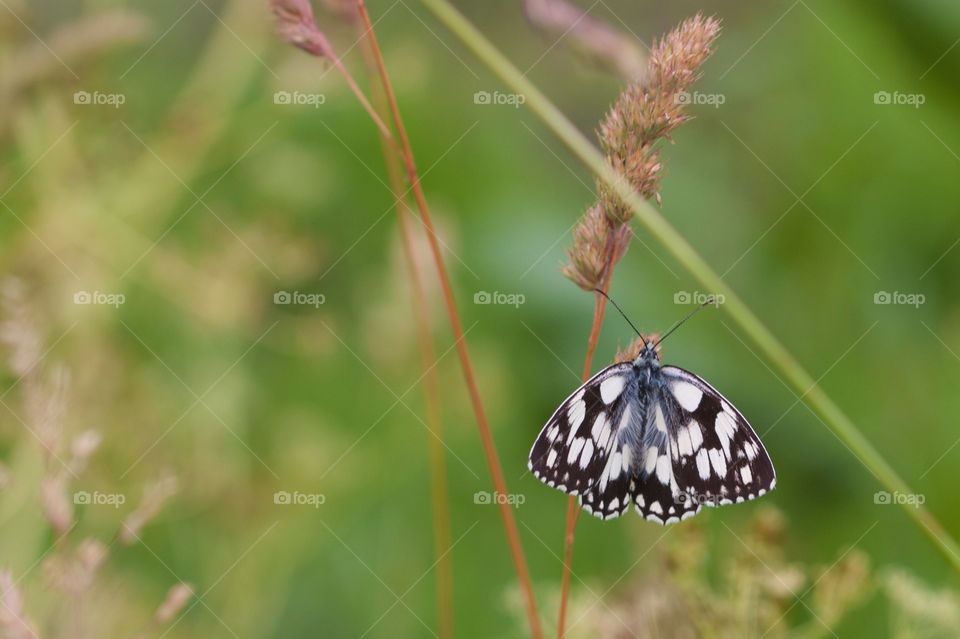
580 450
716 456
658 495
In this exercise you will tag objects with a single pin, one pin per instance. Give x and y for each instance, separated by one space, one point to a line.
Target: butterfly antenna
699 308
616 306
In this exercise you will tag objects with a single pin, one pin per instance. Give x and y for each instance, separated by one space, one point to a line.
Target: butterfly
654 436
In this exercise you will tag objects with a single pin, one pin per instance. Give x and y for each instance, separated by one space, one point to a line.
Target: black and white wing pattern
659 497
657 437
717 458
580 449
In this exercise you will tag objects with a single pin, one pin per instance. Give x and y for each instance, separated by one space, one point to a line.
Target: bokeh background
181 198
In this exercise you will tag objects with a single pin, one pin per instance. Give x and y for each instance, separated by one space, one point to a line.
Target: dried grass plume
644 114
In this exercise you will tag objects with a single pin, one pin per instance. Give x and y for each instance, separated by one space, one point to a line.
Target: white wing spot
696 435
663 469
627 454
576 414
613 467
655 507
659 420
687 394
625 418
598 425
611 388
725 428
614 503
587 454
605 435
718 462
746 475
552 458
651 462
683 442
575 449
703 464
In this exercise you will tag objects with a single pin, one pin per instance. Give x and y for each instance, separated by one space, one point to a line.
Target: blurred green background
199 198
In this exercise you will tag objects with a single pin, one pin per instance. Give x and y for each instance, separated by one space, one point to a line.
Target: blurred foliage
199 198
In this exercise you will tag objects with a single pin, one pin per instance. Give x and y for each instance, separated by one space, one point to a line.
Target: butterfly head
648 355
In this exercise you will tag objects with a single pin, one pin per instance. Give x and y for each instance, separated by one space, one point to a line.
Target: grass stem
573 509
486 436
439 493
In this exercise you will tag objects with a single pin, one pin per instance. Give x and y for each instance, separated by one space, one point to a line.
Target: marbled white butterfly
651 435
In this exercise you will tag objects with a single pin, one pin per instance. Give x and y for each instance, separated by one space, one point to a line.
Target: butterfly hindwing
579 450
658 496
612 490
717 457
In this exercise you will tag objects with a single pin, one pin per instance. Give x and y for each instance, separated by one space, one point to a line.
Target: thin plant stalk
297 26
573 509
438 467
768 346
384 130
486 436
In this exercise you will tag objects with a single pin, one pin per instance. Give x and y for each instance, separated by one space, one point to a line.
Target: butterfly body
652 436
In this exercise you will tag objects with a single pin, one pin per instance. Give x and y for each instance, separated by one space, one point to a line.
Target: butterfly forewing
576 450
717 457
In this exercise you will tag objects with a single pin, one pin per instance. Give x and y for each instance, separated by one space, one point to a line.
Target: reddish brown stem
510 525
573 510
328 52
438 468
